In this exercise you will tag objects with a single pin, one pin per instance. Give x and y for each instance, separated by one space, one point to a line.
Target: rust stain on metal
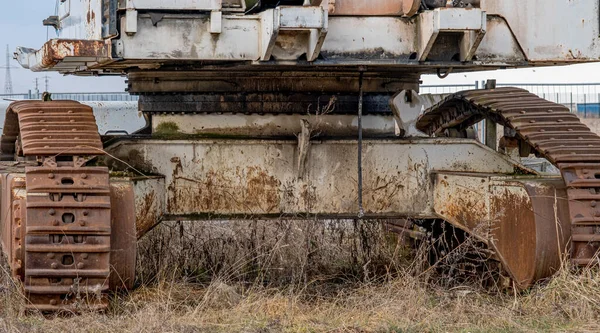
553 132
240 190
61 240
146 217
56 50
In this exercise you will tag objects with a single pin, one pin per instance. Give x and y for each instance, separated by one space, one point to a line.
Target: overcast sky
21 25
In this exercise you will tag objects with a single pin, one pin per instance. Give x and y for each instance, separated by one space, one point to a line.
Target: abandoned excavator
264 109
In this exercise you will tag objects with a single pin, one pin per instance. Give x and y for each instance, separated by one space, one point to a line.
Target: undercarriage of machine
297 109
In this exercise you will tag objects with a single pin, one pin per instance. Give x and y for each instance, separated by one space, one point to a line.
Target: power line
8 85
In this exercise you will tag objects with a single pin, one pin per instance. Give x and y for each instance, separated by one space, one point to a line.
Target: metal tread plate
554 132
28 121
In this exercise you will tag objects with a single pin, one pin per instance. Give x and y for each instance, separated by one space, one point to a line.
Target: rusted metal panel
524 221
551 131
376 7
150 203
123 239
79 53
52 128
213 177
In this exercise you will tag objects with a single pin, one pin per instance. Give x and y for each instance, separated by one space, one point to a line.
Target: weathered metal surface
354 38
67 242
541 38
123 239
469 24
376 7
269 126
51 128
525 222
407 106
248 87
553 132
80 19
150 203
61 229
216 177
114 117
57 54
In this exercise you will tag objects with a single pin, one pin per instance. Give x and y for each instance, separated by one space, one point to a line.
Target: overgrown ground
304 277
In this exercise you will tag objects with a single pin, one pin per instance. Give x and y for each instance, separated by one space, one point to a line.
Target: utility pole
8 86
46 83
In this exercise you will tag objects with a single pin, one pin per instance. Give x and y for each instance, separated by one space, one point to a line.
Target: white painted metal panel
80 19
559 30
175 4
192 39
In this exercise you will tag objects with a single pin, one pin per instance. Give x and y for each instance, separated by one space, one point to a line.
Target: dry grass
279 289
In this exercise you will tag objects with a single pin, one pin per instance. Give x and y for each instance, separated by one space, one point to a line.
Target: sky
21 25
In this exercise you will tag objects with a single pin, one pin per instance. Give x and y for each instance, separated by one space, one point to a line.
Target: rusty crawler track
61 230
554 133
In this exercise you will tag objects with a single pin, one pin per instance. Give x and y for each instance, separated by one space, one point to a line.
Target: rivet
55 223
83 176
85 255
82 223
542 130
597 214
550 111
593 203
51 175
72 120
80 265
70 111
532 121
523 112
74 130
53 302
40 111
85 213
52 212
50 255
54 265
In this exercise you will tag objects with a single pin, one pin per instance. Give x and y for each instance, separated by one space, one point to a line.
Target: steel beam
213 178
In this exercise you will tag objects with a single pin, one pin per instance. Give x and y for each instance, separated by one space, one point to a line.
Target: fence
83 97
582 98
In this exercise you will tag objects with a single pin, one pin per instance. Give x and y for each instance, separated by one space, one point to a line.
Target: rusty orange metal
555 134
56 223
123 239
376 7
524 222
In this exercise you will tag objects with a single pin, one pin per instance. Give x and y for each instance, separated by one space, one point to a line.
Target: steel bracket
311 19
472 23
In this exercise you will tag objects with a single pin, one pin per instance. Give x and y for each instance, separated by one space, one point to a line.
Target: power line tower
8 87
46 82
